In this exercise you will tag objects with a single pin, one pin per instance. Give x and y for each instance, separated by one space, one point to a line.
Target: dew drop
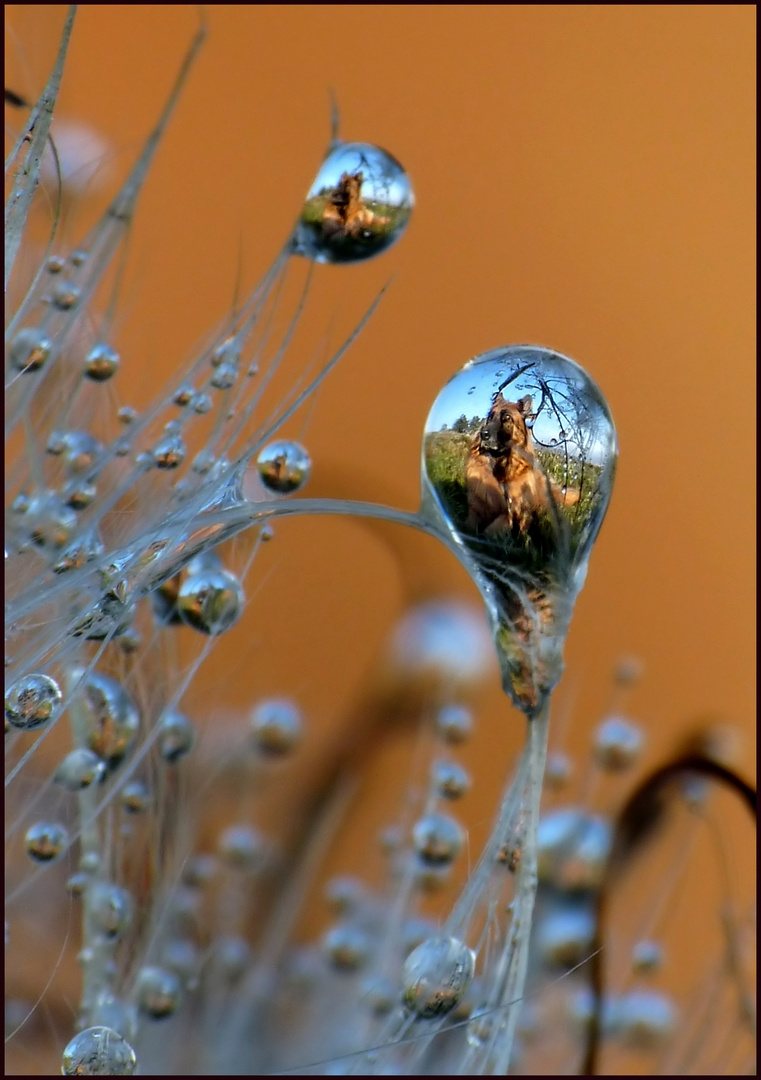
346 946
276 727
210 599
176 736
437 839
284 466
450 779
522 502
572 849
46 841
647 957
110 908
98 1051
436 975
169 452
110 718
358 205
454 724
29 349
158 992
66 295
135 797
564 936
79 769
32 702
243 847
645 1019
224 376
617 744
102 362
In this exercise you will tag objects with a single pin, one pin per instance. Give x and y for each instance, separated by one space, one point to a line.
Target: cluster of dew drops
357 207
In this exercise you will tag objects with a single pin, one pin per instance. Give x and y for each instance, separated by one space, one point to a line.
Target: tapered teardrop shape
519 457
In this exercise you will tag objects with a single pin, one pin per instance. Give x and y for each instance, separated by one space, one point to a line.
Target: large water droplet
79 769
276 727
518 465
436 975
283 466
359 205
438 839
32 701
98 1051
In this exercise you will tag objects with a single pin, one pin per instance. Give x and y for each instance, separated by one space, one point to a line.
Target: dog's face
505 427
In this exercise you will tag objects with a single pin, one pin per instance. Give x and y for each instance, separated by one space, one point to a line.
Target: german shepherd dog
507 488
345 213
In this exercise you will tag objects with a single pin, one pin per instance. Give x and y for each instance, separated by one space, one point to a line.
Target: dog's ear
497 401
525 405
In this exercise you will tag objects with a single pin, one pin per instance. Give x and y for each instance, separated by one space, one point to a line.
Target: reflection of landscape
342 219
446 457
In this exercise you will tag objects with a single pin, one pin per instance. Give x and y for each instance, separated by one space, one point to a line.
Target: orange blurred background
585 179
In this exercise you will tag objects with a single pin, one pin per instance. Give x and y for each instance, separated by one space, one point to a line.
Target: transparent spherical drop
276 727
437 839
232 956
617 744
110 718
358 205
454 724
346 946
110 909
136 797
210 600
447 640
283 466
647 957
176 736
572 849
46 841
101 363
169 452
243 846
645 1019
66 295
79 769
450 779
436 975
558 771
563 936
159 992
518 463
80 452
29 349
98 1051
32 701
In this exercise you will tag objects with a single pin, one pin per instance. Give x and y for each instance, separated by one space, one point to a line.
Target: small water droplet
523 502
32 701
210 600
617 744
169 452
158 992
110 908
109 718
454 724
347 946
98 1051
564 935
436 975
283 466
66 295
46 841
102 362
79 769
176 736
438 839
243 847
276 727
224 376
358 205
135 797
572 849
450 779
29 349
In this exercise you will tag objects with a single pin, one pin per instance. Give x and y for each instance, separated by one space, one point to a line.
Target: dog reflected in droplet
507 488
